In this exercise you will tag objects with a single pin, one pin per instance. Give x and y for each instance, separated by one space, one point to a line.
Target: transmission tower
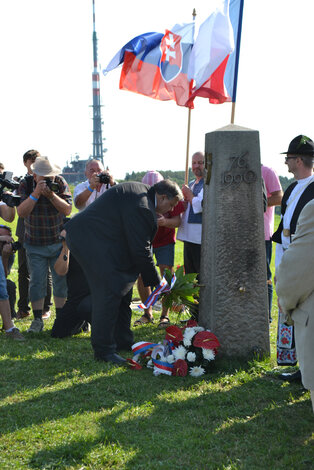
97 122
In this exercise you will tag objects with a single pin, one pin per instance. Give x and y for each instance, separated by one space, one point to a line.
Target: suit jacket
112 237
295 289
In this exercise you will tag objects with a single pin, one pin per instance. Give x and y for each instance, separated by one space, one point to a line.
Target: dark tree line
178 177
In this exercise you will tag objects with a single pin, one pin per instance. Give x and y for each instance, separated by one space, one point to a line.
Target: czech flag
156 64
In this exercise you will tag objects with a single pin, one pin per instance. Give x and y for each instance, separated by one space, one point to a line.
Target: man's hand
111 180
187 193
7 249
161 221
38 191
46 191
62 236
94 182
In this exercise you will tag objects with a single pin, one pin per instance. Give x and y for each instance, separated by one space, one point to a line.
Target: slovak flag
156 64
215 53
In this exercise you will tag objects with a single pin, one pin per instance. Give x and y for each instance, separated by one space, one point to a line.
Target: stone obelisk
233 296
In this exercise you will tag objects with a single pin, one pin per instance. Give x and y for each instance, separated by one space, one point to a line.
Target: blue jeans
268 245
38 259
3 283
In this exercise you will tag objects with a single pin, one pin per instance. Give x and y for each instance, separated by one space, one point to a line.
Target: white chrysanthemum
179 352
156 371
187 342
189 333
170 359
150 364
197 371
208 354
198 329
191 356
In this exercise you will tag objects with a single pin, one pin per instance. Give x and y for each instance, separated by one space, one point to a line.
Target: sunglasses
287 158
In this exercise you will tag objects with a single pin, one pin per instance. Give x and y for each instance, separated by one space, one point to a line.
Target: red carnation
180 368
191 323
206 340
133 364
174 334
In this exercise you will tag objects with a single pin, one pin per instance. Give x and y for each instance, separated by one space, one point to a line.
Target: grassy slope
61 410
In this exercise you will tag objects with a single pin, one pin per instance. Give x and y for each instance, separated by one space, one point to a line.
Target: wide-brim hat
301 145
43 167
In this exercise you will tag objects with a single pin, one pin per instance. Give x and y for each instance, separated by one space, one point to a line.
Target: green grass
59 409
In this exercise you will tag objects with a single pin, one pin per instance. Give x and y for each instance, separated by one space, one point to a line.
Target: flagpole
236 67
186 179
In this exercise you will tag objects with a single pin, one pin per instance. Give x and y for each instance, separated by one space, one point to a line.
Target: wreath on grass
190 349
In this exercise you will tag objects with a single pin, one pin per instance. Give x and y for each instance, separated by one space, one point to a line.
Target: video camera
52 185
6 181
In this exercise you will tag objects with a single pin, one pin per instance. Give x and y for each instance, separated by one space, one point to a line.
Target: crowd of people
116 234
46 266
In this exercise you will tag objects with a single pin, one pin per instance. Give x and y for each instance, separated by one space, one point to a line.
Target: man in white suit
295 290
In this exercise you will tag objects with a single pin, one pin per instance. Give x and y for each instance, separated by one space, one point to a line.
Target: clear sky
46 82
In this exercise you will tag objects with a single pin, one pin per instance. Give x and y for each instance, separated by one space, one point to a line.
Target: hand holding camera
97 179
46 187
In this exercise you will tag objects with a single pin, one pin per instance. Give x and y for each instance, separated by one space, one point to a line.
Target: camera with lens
104 178
6 181
54 187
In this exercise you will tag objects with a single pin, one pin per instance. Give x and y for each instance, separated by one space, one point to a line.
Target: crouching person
75 315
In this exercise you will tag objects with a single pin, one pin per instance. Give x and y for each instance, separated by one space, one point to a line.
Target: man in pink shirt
274 196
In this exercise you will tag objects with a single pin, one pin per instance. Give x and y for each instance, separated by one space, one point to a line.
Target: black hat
301 145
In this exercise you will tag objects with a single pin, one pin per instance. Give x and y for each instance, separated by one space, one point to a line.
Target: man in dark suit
111 239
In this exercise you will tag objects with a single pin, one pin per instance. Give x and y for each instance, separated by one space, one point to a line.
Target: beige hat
43 167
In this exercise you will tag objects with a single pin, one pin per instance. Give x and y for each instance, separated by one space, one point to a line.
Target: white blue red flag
156 64
215 54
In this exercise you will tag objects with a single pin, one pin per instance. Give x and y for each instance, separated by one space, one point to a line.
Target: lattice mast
97 122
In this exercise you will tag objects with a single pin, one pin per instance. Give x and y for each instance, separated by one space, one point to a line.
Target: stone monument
233 293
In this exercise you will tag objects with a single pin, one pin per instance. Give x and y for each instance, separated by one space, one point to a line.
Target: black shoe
291 376
113 357
81 326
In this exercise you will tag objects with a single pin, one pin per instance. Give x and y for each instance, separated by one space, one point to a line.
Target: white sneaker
36 326
15 334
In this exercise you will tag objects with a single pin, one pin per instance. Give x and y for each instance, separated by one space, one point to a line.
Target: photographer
29 158
43 211
98 181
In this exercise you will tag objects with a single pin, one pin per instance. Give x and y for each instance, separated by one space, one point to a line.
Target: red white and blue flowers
188 350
